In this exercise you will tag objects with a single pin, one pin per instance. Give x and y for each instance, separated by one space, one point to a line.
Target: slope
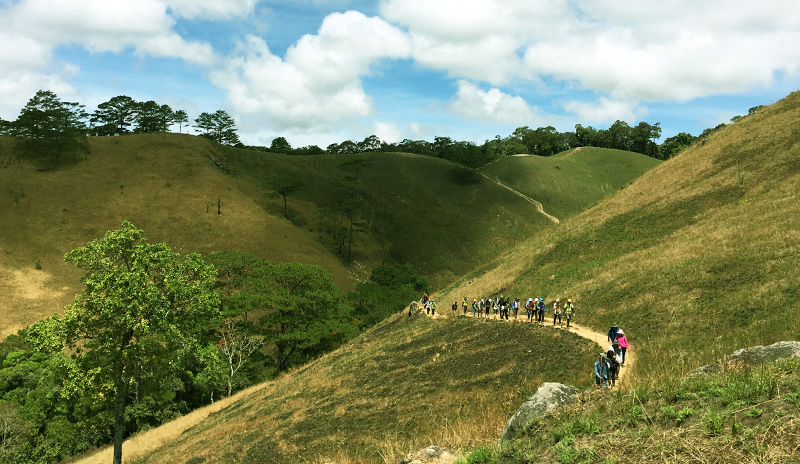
570 182
400 386
696 258
163 183
443 218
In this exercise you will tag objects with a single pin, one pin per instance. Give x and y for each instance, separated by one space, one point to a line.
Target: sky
324 71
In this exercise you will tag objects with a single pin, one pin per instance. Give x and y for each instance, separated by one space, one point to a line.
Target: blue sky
324 71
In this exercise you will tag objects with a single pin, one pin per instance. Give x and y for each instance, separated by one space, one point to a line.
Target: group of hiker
608 364
504 308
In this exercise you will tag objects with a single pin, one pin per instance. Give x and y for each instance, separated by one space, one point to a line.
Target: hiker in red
623 344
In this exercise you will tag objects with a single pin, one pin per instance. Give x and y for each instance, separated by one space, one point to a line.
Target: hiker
613 367
569 310
601 371
433 307
516 307
428 307
496 307
455 307
557 312
623 345
541 308
424 299
474 307
612 332
488 307
529 309
615 348
464 305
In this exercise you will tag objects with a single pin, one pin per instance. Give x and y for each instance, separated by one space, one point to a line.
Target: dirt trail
535 203
601 339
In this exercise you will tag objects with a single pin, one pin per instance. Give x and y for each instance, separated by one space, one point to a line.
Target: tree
115 116
236 344
370 144
152 117
280 145
283 187
52 129
673 145
140 303
306 312
180 117
218 127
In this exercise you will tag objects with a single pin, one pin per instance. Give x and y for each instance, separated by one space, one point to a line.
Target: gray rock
548 397
430 455
754 356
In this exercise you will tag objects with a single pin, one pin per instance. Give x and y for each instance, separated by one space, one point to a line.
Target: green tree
115 116
675 144
284 186
180 118
280 145
52 130
218 127
140 304
152 117
306 312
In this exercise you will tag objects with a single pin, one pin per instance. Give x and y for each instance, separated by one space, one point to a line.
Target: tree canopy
140 305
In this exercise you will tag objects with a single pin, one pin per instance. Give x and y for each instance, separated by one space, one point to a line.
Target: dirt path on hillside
601 339
535 203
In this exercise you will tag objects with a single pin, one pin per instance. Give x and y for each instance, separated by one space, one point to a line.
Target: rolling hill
445 219
694 259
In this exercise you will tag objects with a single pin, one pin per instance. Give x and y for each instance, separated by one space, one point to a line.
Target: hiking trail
601 339
535 203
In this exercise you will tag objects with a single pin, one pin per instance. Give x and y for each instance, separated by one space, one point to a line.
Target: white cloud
387 132
605 111
211 9
492 105
33 29
318 83
649 50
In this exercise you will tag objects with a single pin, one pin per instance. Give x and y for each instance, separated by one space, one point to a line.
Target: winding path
535 203
601 339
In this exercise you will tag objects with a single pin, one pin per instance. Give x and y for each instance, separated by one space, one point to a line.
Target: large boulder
548 397
430 455
754 356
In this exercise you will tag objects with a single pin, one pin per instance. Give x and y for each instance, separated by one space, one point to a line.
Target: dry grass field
167 186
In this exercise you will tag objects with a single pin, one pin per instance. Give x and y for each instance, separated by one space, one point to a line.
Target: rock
548 397
430 455
754 356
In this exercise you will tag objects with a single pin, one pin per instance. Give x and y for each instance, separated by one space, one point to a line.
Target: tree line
52 129
154 335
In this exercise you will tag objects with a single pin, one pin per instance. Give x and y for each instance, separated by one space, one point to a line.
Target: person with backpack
541 309
569 311
464 305
612 332
601 371
488 307
516 307
455 307
613 367
557 312
433 307
529 309
623 345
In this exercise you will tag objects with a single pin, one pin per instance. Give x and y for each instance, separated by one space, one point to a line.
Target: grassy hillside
569 182
448 219
745 416
402 385
694 259
164 183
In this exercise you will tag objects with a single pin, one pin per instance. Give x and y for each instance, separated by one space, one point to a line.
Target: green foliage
482 455
684 414
142 307
218 127
396 275
51 132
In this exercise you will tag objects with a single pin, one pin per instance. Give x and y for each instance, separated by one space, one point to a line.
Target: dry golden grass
166 185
